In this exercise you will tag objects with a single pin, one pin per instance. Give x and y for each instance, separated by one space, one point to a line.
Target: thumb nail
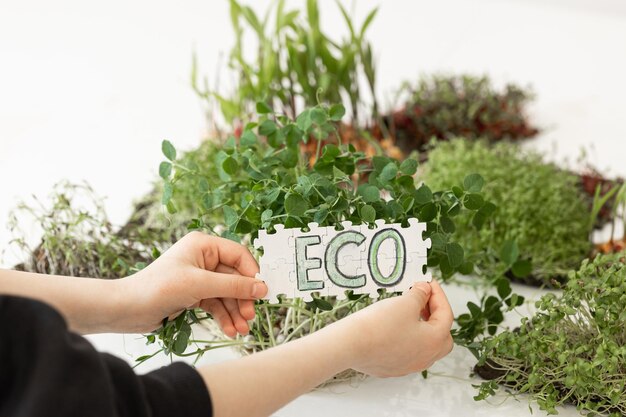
259 289
423 286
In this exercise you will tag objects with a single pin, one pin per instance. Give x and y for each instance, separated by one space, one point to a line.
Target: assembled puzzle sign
329 261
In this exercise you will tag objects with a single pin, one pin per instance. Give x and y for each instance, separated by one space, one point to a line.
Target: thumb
420 292
218 285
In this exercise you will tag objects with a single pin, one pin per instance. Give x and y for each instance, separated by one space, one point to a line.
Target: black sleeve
45 370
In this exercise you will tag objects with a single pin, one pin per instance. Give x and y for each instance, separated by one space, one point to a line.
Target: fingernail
258 289
424 286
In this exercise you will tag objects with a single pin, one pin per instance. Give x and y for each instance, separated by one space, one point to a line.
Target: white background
88 91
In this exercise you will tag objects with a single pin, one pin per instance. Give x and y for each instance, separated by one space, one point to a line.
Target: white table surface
447 391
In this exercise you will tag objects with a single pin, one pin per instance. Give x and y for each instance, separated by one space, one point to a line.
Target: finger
246 307
225 269
440 310
447 346
217 250
220 285
218 311
233 309
420 292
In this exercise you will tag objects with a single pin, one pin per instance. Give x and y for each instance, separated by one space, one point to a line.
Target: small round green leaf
389 172
322 304
289 157
474 309
454 209
168 150
243 227
370 193
330 152
230 165
318 116
248 138
320 215
267 128
368 213
181 341
428 212
509 252
171 207
438 240
230 216
266 215
482 215
165 169
473 183
203 185
504 288
408 166
455 254
445 267
423 195
380 162
263 108
447 225
304 121
488 209
295 205
521 268
479 220
466 268
168 190
433 260
473 201
336 112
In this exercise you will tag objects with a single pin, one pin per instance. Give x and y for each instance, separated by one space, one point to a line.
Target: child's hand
400 335
385 339
203 271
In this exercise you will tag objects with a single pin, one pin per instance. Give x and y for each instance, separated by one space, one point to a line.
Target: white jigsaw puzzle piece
277 264
279 269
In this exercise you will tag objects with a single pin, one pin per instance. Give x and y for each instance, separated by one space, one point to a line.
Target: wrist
104 307
121 307
342 345
118 305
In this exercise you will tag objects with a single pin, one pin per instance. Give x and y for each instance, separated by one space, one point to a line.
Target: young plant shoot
540 224
295 64
77 238
443 107
573 350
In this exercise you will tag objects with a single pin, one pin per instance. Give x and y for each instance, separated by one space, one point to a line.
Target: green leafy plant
77 238
540 220
573 350
617 213
442 107
261 180
296 63
600 193
168 223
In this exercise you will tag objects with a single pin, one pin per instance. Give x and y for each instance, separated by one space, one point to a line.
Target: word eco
297 263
